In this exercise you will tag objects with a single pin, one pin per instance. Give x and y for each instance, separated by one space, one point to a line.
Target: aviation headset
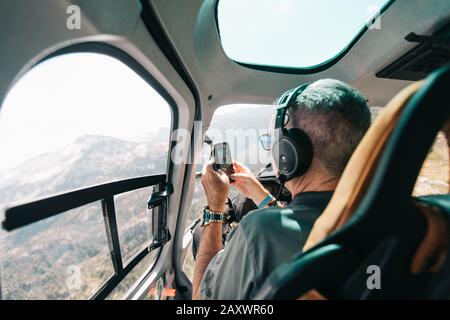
292 150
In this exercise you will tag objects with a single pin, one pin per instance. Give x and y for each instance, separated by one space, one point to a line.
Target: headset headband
285 102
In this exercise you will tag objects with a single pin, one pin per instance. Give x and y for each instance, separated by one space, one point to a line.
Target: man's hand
217 186
247 183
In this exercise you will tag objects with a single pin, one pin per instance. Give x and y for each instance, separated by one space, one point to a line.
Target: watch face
205 217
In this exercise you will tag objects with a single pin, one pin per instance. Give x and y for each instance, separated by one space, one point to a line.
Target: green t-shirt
262 241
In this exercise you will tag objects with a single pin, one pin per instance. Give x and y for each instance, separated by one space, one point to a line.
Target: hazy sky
73 95
296 33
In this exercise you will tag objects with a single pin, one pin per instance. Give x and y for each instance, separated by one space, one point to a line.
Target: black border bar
25 214
109 217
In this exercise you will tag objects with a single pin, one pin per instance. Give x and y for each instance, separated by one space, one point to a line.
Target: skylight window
293 33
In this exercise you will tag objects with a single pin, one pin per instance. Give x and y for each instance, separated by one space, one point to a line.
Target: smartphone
222 158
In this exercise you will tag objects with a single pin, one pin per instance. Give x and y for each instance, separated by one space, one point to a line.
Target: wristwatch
212 216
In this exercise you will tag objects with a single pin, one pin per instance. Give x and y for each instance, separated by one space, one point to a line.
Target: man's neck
310 182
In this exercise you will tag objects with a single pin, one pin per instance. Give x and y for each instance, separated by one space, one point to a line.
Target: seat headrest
357 175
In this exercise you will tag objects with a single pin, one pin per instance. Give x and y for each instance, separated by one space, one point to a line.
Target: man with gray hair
335 117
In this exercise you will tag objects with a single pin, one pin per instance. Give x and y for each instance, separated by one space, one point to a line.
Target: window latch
160 197
158 201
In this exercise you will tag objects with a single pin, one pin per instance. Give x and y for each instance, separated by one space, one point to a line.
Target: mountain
89 160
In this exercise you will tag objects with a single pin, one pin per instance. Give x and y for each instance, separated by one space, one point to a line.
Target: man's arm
216 185
210 245
232 273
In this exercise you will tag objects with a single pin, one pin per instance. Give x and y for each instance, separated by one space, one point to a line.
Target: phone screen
222 158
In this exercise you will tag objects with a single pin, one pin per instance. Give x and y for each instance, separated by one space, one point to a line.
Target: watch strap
210 216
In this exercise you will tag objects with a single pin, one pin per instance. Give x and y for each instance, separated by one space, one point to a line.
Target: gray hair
336 117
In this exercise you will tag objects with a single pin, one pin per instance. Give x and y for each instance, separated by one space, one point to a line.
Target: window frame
18 216
308 70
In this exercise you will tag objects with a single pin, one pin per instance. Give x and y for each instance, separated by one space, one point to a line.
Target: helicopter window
240 125
293 33
133 222
70 123
433 177
64 257
75 127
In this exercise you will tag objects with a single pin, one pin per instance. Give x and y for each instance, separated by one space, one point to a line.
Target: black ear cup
292 153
